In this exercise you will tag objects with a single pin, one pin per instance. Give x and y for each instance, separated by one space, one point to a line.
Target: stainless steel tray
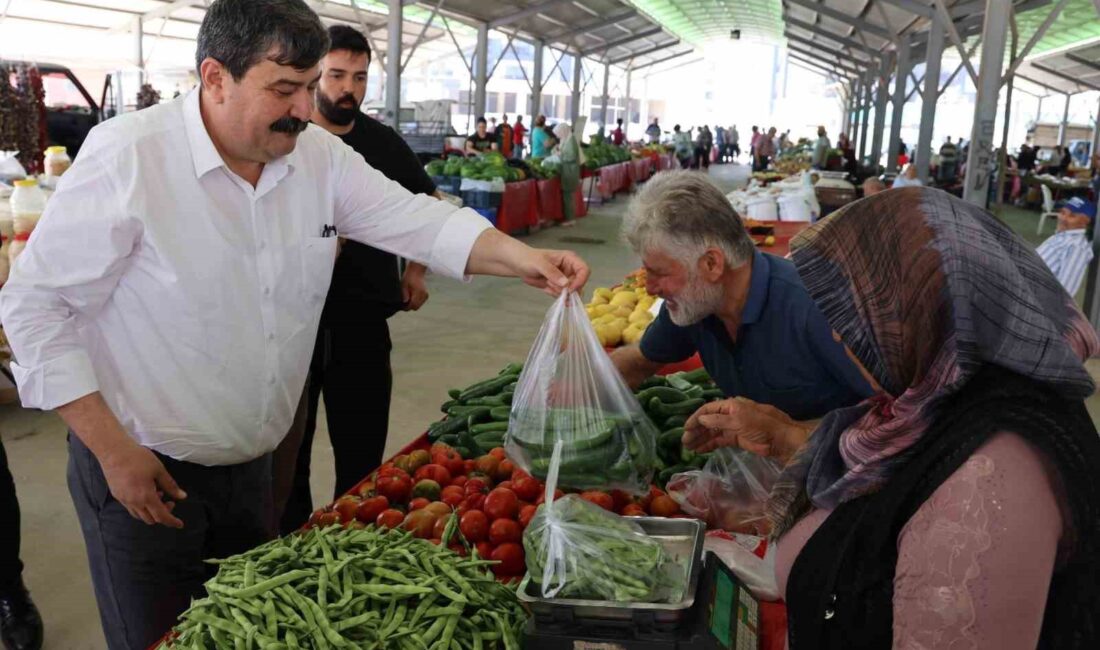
682 538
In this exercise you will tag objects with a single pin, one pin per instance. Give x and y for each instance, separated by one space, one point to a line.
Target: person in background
653 131
746 313
492 125
908 177
901 522
505 137
177 343
720 143
20 622
518 132
617 136
821 149
765 149
1065 162
1025 161
703 145
873 185
570 152
1095 170
752 145
949 160
539 146
734 143
351 359
784 142
903 153
684 148
1068 251
481 140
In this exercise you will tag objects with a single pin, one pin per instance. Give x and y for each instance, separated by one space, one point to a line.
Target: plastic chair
1048 208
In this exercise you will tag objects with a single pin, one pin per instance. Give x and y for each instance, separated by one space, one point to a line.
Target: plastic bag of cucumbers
570 391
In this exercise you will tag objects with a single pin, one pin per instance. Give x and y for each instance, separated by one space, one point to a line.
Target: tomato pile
493 500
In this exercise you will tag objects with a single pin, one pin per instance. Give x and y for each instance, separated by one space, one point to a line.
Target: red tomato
468 465
602 499
474 526
484 550
366 489
476 486
327 519
542 497
420 523
396 488
451 460
527 488
526 514
505 470
507 485
438 508
355 524
663 506
390 470
621 499
505 530
510 558
654 492
633 510
370 508
436 541
487 465
497 452
433 472
474 501
439 446
502 503
389 518
481 476
459 481
439 527
452 495
315 517
418 503
458 548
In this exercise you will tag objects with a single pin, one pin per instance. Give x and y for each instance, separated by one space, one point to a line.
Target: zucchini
663 393
449 426
697 376
686 407
500 413
489 427
674 421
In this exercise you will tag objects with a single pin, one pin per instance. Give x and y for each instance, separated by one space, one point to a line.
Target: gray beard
696 302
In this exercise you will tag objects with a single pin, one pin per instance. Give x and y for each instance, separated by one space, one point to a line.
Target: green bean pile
351 588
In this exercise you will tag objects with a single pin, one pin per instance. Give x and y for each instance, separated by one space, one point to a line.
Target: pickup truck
71 112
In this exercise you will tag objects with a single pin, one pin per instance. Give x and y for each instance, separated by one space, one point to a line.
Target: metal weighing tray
682 538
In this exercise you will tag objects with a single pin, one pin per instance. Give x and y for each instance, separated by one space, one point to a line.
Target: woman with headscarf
570 153
959 508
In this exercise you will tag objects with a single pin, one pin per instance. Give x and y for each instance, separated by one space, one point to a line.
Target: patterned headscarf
925 289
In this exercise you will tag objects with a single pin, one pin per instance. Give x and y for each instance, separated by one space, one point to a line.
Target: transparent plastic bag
576 549
570 391
729 493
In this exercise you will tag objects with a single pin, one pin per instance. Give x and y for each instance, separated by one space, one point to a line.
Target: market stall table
1061 188
785 231
640 169
613 179
519 207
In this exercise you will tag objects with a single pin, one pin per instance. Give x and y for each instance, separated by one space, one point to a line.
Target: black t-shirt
366 283
480 143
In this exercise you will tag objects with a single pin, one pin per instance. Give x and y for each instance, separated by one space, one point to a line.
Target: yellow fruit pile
621 315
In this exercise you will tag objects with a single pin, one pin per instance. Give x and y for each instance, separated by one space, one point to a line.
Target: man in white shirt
168 303
1069 251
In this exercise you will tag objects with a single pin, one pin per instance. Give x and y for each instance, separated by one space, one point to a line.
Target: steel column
575 109
1096 133
979 162
394 23
853 115
929 97
866 117
1065 122
536 82
606 89
630 113
139 47
880 112
901 83
481 68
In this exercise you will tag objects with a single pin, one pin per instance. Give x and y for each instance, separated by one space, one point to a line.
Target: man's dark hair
241 33
619 121
345 37
481 120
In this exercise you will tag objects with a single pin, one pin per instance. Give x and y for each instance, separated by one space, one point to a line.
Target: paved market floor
464 333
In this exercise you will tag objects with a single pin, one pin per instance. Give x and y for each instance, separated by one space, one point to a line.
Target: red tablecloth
580 205
549 200
667 161
519 208
640 169
784 232
614 178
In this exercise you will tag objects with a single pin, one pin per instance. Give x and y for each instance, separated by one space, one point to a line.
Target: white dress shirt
1068 254
187 297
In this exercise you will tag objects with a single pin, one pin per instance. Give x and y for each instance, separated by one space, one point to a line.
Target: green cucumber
668 472
694 392
449 439
685 407
500 413
671 439
464 452
714 393
448 426
545 447
679 382
591 461
491 387
697 376
663 393
488 400
454 393
512 369
448 404
488 426
480 412
465 439
655 380
674 421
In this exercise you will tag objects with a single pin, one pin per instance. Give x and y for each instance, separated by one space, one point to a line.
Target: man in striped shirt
1069 251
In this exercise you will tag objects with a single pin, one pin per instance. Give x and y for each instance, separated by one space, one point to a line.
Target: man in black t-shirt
351 361
481 140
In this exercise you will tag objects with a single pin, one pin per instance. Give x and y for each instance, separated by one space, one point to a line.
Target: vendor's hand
414 287
742 423
138 480
553 271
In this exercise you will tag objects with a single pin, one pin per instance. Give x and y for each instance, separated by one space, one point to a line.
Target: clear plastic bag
576 549
570 391
729 493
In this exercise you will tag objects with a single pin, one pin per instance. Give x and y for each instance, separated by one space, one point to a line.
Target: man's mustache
289 125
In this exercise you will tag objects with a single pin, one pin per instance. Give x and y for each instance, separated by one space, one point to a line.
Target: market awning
1066 72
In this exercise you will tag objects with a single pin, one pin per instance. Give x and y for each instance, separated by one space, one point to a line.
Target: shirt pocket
318 259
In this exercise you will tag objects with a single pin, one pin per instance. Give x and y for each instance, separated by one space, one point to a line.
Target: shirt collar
203 153
758 288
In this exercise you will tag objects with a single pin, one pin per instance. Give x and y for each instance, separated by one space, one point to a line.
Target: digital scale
724 616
